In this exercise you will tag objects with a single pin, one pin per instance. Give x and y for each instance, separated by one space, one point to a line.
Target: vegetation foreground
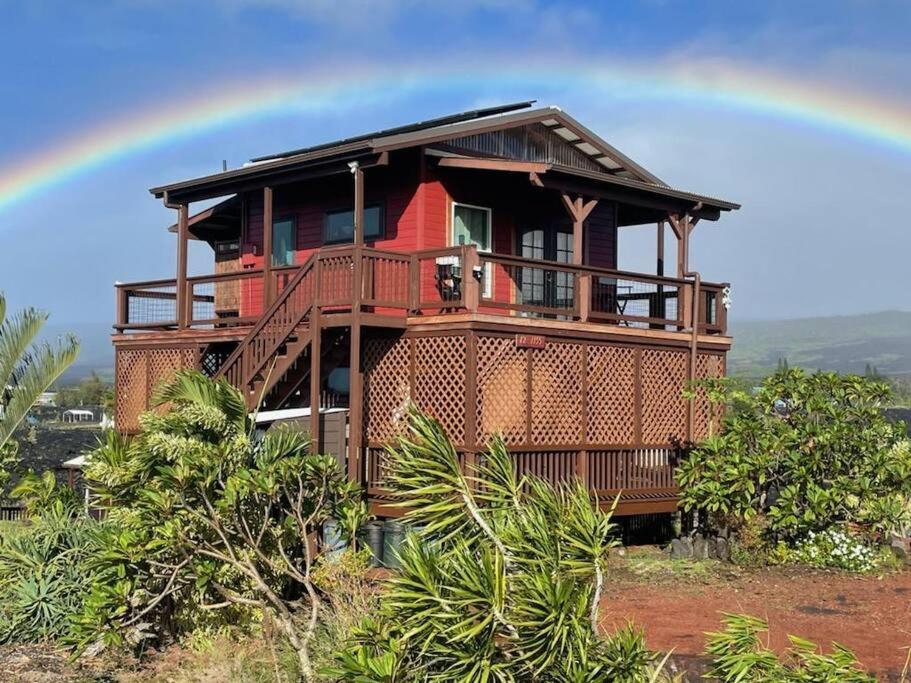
213 540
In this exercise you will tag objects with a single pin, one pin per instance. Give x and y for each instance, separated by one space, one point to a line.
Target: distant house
77 415
468 264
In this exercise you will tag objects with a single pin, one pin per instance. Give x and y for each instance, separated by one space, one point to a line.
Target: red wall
415 196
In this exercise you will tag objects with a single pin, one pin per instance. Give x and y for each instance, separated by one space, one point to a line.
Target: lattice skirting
566 394
139 371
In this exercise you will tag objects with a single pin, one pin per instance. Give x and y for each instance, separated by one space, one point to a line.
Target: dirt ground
676 602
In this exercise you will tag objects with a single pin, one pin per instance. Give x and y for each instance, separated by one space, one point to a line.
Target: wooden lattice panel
163 363
502 383
707 365
611 395
439 364
556 394
386 391
663 379
139 372
132 393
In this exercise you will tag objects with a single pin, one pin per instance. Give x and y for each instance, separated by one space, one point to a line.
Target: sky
799 111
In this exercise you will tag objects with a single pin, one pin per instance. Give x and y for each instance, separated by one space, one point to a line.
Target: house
467 264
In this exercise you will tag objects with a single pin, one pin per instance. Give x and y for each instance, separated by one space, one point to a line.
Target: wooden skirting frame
608 409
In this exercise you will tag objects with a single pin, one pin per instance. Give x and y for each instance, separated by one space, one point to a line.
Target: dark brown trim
268 199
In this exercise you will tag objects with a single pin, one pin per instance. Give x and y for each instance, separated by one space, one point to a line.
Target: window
471 225
284 241
227 247
339 225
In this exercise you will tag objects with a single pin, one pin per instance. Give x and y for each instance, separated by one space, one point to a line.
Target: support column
181 294
316 336
358 174
578 210
267 248
355 406
356 379
659 266
659 309
680 224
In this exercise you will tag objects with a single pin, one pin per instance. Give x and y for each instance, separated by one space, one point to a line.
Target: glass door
543 286
472 225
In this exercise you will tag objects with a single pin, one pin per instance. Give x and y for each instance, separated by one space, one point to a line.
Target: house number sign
530 341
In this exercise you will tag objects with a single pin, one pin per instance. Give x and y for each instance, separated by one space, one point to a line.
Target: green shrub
45 574
501 579
806 452
738 654
209 521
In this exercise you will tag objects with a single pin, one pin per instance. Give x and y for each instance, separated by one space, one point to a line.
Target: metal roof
409 128
618 168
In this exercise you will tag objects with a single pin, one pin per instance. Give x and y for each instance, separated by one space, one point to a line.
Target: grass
649 564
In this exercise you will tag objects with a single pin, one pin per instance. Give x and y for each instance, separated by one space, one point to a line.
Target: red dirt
870 615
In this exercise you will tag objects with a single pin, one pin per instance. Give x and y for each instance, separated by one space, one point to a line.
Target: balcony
429 284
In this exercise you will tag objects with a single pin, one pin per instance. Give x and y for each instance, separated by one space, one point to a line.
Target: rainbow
710 84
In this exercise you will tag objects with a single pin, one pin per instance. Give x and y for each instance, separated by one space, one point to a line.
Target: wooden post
356 378
355 404
123 306
316 334
659 266
414 284
471 391
267 247
585 296
578 210
681 227
183 233
358 174
659 308
471 287
578 238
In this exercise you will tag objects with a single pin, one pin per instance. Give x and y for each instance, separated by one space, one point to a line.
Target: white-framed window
472 225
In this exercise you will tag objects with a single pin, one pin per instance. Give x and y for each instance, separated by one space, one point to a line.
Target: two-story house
467 264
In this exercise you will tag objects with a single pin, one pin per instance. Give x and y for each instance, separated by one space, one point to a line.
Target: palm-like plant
27 367
500 581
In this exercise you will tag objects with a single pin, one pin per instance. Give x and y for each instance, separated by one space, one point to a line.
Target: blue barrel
333 542
393 535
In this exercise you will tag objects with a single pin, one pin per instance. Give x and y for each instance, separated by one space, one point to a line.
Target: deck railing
435 282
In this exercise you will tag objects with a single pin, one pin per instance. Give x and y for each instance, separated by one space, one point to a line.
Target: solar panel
410 128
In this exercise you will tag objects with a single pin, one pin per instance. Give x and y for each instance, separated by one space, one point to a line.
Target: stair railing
274 327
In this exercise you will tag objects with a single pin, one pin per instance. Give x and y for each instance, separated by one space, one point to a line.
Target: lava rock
681 549
901 547
722 549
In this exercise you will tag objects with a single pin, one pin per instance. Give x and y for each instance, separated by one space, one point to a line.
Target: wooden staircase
271 356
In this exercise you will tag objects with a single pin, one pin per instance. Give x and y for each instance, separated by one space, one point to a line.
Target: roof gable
547 135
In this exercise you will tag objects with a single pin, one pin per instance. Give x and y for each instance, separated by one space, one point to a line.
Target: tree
27 368
207 516
806 452
501 578
91 391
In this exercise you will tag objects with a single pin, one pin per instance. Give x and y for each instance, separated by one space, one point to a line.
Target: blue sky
822 230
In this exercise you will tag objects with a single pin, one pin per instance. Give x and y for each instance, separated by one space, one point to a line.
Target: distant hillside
841 343
96 354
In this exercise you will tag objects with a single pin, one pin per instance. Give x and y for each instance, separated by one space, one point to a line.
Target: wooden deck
582 375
